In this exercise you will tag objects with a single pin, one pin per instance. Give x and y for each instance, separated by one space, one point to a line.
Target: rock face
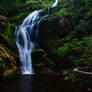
3 28
7 62
3 22
41 63
66 36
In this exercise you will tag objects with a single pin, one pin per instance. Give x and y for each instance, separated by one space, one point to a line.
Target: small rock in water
89 90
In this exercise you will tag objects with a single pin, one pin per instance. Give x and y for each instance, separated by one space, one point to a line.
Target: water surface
39 83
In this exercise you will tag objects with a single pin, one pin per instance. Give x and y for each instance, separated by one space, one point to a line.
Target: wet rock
42 63
37 55
89 89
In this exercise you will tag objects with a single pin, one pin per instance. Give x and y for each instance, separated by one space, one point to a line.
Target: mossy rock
7 63
83 77
66 32
25 8
3 23
3 12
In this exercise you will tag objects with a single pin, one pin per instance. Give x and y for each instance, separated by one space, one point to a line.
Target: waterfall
55 4
27 36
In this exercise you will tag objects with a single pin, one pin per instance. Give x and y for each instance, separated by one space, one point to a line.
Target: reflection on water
39 83
25 83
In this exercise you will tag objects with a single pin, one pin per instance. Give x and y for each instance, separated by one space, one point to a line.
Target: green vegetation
69 42
65 35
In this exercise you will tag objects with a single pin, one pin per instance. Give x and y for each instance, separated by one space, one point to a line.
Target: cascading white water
27 38
55 4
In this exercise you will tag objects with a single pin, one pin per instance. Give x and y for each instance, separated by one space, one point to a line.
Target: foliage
70 40
79 52
12 3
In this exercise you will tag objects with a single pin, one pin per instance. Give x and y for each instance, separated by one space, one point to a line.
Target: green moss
8 34
10 4
17 19
78 52
64 49
64 12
